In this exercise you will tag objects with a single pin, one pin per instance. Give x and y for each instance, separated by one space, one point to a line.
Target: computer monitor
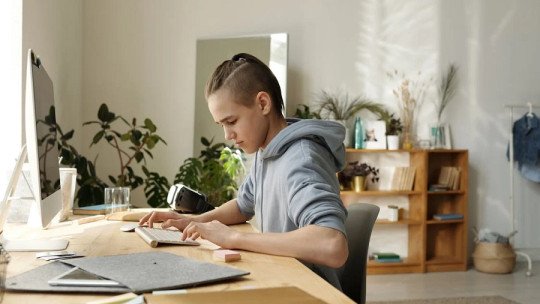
43 161
42 150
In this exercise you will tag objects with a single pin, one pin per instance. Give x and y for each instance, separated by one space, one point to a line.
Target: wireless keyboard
156 236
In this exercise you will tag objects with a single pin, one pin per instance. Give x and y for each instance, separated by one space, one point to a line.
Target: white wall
10 86
496 43
139 57
52 29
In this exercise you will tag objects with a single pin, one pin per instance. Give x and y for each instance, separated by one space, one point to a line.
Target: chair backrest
359 225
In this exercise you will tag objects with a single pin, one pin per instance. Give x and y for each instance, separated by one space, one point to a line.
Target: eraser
226 255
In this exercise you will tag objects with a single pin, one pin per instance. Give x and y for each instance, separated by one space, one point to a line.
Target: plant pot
358 183
494 257
393 142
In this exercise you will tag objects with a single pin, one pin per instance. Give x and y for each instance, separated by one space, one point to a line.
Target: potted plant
215 172
410 95
339 107
355 174
446 89
394 127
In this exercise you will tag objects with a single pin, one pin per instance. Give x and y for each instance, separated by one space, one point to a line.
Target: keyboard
156 236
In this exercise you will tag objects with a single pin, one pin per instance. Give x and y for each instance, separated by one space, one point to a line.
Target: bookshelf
432 245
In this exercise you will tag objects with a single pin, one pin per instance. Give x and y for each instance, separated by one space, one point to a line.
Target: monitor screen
40 127
49 176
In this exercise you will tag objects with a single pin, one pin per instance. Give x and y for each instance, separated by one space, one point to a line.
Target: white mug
393 213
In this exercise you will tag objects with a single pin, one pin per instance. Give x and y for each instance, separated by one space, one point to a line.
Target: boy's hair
245 75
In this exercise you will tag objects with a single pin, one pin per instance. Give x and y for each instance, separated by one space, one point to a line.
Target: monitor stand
34 245
23 245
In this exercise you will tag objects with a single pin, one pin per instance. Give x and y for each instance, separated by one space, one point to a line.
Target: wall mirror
271 49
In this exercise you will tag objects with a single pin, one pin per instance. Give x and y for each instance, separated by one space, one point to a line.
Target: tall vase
407 140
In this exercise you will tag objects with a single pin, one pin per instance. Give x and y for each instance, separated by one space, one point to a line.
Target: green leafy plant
393 125
339 106
90 185
214 172
49 140
357 169
139 139
362 169
304 112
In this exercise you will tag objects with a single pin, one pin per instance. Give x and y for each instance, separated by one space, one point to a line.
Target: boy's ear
264 102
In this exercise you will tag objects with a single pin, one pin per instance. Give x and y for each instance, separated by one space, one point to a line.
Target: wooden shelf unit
433 245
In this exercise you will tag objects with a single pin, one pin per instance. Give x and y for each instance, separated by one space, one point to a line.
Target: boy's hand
179 224
214 231
158 216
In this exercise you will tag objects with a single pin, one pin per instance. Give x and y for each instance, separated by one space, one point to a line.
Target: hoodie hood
330 134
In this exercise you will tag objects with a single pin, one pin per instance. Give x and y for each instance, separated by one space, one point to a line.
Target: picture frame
375 134
440 137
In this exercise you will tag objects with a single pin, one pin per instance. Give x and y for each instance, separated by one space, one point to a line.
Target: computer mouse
130 227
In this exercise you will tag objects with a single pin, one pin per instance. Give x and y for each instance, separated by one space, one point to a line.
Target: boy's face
246 125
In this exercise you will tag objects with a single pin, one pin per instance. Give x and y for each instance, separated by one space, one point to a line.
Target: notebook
156 236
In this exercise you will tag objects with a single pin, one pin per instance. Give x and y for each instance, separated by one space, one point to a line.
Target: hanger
530 114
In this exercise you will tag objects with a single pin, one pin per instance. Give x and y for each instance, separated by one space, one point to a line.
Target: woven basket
494 257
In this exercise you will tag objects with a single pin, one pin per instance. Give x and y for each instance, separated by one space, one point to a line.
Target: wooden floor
515 286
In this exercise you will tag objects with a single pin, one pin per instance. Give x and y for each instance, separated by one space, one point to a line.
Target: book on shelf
395 260
386 257
92 210
438 187
448 179
403 178
447 216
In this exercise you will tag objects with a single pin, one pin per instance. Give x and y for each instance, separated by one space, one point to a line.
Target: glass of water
117 198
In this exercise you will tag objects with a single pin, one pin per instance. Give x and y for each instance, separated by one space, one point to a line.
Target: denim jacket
526 132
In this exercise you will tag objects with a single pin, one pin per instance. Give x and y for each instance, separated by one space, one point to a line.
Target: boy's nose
229 135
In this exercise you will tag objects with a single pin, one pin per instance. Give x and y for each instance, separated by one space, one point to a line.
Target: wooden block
90 219
225 255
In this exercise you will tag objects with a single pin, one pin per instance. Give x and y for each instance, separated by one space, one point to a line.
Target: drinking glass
117 198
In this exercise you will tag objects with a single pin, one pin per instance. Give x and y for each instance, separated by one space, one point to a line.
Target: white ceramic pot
393 142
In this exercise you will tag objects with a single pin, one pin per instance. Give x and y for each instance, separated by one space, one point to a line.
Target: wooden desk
105 238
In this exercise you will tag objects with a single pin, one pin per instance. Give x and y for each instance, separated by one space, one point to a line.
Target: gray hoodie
292 182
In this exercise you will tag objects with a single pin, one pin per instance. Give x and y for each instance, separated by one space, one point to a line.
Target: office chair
359 225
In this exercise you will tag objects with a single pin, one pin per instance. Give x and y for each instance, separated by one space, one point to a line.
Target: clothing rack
511 107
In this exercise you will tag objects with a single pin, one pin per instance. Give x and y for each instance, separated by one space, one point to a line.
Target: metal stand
511 168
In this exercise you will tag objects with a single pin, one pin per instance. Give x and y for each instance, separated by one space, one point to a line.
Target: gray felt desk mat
141 272
147 271
37 280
